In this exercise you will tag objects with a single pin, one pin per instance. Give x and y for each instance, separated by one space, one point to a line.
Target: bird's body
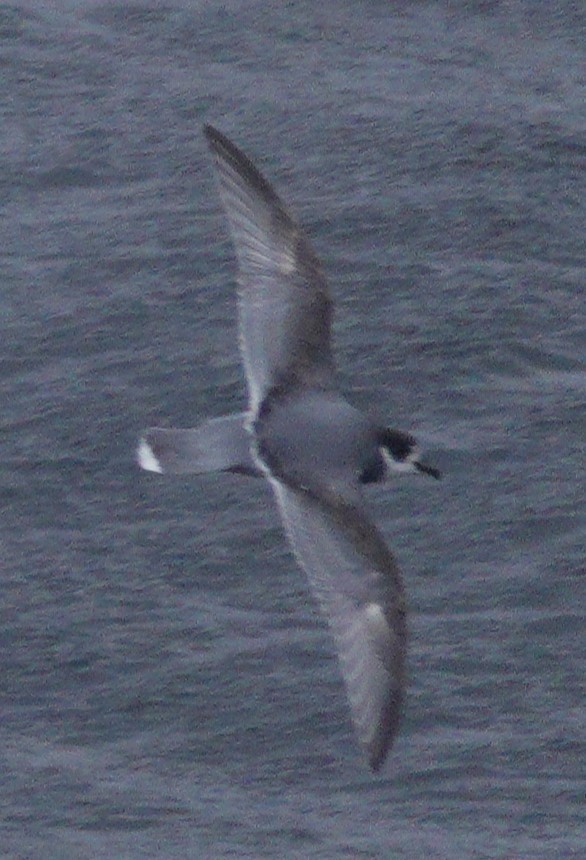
316 436
315 449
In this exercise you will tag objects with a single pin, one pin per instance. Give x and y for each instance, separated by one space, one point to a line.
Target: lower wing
356 580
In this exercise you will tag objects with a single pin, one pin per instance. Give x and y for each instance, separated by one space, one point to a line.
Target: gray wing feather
356 580
285 309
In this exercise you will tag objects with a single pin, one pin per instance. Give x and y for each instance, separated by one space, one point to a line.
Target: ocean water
167 687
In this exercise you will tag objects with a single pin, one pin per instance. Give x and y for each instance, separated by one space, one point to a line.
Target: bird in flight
314 448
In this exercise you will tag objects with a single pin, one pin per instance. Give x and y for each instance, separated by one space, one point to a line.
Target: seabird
304 437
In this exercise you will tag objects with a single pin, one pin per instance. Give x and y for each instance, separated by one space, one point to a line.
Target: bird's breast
317 435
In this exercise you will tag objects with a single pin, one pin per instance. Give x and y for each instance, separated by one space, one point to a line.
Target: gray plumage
315 449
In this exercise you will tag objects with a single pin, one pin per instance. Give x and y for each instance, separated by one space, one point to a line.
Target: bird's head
401 453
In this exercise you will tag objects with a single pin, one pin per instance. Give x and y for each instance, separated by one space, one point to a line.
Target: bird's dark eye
399 444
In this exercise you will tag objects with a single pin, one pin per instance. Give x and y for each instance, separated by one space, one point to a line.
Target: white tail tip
146 458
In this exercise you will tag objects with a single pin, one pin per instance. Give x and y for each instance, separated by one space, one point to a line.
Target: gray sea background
168 688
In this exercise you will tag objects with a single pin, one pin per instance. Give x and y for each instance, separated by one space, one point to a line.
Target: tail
217 445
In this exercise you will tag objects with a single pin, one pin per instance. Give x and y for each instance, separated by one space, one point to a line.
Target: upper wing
356 580
285 309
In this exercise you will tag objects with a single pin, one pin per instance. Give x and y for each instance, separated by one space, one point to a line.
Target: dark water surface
167 687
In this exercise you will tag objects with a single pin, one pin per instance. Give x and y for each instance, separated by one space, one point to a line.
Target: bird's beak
427 470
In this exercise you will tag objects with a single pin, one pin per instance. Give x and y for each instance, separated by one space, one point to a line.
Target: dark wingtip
376 763
217 140
211 133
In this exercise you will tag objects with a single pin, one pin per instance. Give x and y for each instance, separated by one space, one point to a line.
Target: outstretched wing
285 310
356 580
